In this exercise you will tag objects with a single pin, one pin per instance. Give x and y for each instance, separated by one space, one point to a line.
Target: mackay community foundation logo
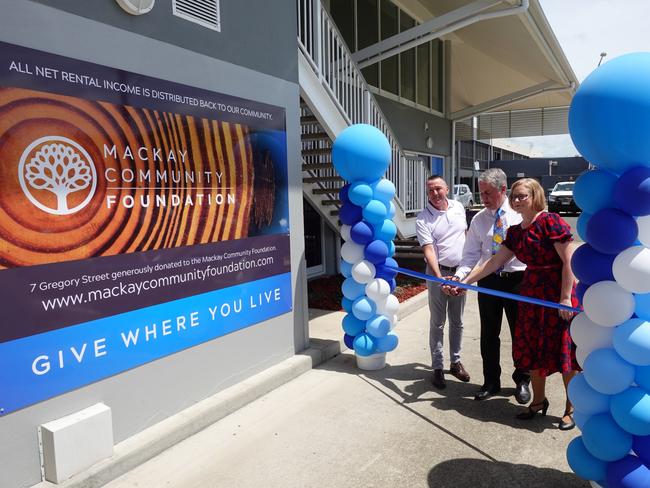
57 175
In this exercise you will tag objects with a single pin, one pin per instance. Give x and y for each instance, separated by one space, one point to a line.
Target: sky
584 29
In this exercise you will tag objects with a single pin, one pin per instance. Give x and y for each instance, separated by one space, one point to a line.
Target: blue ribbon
488 291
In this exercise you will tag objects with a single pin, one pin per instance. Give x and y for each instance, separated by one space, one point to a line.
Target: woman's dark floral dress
542 339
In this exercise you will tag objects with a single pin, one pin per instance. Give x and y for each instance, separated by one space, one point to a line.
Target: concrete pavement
336 425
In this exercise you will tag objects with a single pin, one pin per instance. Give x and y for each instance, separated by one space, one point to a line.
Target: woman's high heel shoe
567 425
532 410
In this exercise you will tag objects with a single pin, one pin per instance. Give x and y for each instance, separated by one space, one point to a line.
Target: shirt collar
434 209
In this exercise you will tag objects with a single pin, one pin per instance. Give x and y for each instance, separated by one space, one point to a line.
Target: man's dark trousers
491 310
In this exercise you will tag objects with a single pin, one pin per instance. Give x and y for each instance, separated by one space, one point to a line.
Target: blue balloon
348 340
594 190
642 305
374 212
632 341
361 233
391 249
350 214
353 290
632 191
393 285
585 398
384 190
641 447
642 377
604 439
346 304
581 288
361 152
343 193
611 231
360 193
387 343
363 308
591 266
581 225
580 418
631 410
607 372
376 252
609 118
583 463
353 326
628 472
365 345
386 231
378 326
346 268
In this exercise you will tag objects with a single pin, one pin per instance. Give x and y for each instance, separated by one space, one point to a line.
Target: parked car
561 198
464 195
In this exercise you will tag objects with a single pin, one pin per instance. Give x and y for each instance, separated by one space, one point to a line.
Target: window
423 75
343 12
407 61
390 66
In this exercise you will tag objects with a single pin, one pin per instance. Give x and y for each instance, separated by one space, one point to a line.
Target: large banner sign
138 217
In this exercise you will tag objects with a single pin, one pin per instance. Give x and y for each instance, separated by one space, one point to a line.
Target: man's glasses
520 197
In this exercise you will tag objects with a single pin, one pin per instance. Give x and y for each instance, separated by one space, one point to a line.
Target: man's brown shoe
438 379
459 372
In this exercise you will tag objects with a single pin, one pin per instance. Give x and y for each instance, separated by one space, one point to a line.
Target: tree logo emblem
54 168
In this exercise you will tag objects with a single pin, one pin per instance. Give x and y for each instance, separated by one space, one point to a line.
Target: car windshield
564 187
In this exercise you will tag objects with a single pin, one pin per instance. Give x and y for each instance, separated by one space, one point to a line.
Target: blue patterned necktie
498 233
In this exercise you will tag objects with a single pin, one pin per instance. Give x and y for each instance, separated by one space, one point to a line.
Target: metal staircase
335 95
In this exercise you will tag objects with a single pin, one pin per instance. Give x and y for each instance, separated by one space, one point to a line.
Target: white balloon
352 253
378 289
364 272
632 269
345 232
608 304
393 322
389 306
589 336
581 356
644 229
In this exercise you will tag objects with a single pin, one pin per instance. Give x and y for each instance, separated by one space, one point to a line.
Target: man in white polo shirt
441 233
487 230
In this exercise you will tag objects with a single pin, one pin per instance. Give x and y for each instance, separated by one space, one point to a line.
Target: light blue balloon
583 463
364 345
383 190
374 212
346 268
604 439
352 326
642 305
580 418
581 225
363 308
386 231
585 398
361 152
631 410
609 117
594 190
378 326
353 290
632 341
607 372
360 193
391 249
391 210
387 343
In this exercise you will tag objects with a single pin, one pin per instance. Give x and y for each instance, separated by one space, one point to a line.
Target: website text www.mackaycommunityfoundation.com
144 286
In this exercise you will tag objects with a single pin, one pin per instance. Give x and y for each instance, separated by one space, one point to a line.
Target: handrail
329 57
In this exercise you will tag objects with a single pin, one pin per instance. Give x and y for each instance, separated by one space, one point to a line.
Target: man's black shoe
487 391
522 393
438 379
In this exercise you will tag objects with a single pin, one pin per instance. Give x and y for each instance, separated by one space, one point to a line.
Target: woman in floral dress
542 343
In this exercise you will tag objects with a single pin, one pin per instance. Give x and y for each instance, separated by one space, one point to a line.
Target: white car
561 198
463 194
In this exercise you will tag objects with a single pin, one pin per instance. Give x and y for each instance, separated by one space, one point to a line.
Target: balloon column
361 154
609 121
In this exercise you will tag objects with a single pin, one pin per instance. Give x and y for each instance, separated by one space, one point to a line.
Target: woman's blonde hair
536 192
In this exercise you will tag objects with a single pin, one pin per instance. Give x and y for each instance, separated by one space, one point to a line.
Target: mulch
325 293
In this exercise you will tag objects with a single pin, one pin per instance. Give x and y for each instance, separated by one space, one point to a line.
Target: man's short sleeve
423 232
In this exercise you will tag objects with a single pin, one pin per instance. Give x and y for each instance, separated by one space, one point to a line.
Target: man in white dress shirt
485 234
441 233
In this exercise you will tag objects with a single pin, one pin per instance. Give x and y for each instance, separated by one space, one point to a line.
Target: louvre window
202 12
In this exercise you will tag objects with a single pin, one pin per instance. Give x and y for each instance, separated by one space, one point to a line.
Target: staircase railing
331 60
